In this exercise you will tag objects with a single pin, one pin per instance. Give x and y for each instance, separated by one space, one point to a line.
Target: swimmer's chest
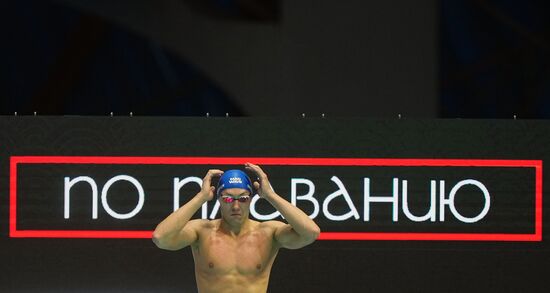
247 254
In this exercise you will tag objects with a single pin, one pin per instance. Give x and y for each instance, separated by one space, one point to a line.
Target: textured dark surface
136 265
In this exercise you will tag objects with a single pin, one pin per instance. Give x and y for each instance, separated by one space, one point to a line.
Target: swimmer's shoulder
204 224
203 228
271 225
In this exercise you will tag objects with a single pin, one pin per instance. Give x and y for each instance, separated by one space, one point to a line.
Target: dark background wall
494 59
446 59
272 58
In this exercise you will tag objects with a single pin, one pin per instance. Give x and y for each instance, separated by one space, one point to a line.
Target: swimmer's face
234 205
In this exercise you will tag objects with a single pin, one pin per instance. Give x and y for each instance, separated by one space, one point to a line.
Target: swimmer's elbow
314 234
169 241
311 236
157 239
162 241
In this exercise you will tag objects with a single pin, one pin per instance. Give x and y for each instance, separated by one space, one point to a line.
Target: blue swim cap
234 179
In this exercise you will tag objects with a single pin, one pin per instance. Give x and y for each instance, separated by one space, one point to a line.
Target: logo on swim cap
234 179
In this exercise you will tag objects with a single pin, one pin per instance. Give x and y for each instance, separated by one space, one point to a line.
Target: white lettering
341 191
405 204
394 199
105 203
214 209
178 184
308 196
486 196
446 201
259 216
67 194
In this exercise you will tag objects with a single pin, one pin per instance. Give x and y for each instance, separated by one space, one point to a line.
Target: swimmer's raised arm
300 230
176 231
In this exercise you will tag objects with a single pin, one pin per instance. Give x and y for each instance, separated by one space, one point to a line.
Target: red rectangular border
537 164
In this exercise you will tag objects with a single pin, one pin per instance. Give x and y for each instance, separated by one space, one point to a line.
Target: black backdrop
136 265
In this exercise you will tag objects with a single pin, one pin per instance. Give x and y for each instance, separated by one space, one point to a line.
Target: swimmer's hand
261 183
207 190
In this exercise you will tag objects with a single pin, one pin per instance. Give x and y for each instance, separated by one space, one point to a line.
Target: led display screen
429 198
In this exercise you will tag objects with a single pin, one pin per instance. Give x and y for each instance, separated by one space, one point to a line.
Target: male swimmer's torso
235 254
234 263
